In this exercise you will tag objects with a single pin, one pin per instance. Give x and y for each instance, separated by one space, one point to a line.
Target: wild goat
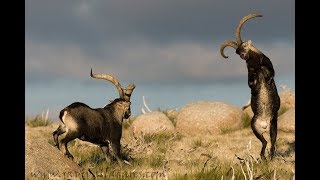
101 126
265 101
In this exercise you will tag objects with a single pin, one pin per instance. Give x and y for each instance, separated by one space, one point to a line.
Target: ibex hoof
263 158
57 146
272 155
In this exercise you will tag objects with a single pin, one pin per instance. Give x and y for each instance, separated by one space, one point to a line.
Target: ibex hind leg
260 137
69 137
105 150
61 129
273 135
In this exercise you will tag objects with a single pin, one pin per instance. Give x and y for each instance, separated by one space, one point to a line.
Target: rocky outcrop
286 122
208 118
151 122
42 160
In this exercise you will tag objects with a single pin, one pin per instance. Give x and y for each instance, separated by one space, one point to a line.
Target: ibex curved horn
128 92
111 79
225 44
238 36
242 21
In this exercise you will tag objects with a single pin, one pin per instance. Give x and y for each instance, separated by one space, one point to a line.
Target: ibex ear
249 42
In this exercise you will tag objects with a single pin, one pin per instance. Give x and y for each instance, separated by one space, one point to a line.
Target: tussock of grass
282 110
162 137
194 163
93 155
38 121
50 141
127 123
156 161
226 130
246 121
199 143
172 119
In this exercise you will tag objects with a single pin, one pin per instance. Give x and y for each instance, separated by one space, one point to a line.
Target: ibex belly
263 116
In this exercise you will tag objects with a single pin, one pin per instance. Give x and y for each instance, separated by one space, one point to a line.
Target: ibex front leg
116 149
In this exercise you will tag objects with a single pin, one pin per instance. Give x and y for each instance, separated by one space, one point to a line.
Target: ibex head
124 95
242 48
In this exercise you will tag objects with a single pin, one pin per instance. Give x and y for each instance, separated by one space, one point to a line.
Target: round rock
151 122
286 122
208 118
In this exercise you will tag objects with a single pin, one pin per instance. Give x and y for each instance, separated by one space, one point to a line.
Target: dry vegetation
163 155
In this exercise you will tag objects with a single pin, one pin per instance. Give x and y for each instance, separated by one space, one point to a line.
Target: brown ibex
265 101
101 126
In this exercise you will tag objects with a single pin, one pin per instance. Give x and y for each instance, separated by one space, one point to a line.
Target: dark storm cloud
150 40
95 22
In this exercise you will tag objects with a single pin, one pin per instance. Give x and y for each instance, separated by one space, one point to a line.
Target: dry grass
127 123
179 156
282 110
37 121
166 112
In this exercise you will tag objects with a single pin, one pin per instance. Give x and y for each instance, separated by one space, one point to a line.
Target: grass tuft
246 121
127 123
38 121
171 118
156 161
282 110
162 137
199 143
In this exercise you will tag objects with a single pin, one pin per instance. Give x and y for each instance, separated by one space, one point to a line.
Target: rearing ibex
101 126
265 101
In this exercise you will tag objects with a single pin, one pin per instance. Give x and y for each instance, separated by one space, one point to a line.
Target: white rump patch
263 124
69 121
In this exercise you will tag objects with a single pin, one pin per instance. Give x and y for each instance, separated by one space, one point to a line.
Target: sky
168 48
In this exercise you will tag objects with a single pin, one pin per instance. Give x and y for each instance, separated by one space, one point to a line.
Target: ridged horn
111 79
242 21
128 91
225 44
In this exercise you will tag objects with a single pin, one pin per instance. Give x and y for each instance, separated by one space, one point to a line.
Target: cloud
148 62
149 41
93 22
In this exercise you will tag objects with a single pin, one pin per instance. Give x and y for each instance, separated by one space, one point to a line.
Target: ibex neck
254 49
119 116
